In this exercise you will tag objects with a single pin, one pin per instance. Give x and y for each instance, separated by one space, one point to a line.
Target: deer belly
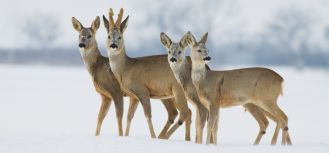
161 95
225 102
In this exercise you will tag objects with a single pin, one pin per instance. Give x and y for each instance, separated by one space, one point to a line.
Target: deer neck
198 74
90 57
181 71
119 63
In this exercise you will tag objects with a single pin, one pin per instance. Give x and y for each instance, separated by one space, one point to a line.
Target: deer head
176 51
115 30
86 38
199 51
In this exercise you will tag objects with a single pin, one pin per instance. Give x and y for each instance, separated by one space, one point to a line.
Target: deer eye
179 52
199 51
119 38
109 37
169 51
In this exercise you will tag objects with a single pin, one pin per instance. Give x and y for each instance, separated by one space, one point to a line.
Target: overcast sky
249 16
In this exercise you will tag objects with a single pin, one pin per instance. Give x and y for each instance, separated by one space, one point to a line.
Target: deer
107 85
221 89
181 66
147 77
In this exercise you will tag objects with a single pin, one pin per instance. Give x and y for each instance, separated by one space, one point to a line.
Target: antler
117 24
111 18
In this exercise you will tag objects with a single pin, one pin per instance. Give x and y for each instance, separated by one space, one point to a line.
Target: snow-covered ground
54 109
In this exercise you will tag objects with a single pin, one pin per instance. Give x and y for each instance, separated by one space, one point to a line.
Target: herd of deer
176 79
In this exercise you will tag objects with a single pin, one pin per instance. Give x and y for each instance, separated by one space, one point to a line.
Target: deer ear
190 38
76 24
204 38
165 40
124 24
95 24
184 41
106 23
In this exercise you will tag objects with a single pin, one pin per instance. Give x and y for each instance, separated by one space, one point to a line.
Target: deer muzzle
82 45
208 58
173 59
114 46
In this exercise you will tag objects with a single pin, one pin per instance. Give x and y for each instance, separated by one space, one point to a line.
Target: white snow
47 109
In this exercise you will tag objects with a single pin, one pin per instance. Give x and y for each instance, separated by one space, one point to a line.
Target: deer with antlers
258 86
107 85
147 77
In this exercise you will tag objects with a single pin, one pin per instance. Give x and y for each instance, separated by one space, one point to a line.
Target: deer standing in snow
106 84
219 89
182 67
146 77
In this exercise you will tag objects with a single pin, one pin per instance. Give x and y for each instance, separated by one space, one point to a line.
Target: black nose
208 58
173 59
114 46
82 45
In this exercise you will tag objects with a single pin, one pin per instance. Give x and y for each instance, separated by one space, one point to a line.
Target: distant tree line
285 40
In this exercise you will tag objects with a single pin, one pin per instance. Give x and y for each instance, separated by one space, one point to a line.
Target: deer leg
285 129
274 110
201 117
188 122
172 114
106 102
213 137
213 116
131 112
261 119
275 135
118 103
147 112
144 98
288 139
181 104
277 129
